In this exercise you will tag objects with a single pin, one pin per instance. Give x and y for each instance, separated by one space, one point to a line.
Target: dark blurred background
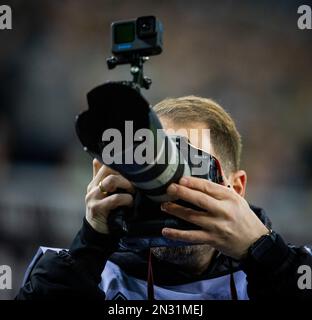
247 55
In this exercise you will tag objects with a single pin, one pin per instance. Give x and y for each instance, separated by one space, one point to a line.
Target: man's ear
238 181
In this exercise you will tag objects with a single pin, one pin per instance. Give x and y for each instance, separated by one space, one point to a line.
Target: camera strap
150 278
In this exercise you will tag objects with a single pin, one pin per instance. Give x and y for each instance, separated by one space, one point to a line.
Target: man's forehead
198 133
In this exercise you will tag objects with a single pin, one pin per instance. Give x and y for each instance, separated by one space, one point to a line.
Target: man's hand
99 204
228 224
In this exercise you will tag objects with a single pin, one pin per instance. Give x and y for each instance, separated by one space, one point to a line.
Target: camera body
142 36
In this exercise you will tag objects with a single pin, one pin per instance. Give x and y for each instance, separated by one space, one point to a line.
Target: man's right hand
99 204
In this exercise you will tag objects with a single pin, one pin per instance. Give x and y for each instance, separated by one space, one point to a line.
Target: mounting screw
134 70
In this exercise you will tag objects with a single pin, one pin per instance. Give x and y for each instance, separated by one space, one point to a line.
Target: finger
198 198
213 189
113 182
96 164
199 218
194 236
109 184
102 173
114 201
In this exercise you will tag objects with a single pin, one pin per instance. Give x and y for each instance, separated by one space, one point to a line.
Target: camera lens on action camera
146 27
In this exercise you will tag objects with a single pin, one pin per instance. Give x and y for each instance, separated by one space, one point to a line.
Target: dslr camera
116 111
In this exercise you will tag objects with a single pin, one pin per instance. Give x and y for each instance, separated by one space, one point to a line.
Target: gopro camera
141 36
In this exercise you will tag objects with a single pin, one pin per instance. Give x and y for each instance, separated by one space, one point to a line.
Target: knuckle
111 181
206 186
201 202
227 231
92 206
191 237
193 218
113 199
224 209
181 192
90 195
214 228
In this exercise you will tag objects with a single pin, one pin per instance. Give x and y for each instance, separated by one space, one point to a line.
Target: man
235 254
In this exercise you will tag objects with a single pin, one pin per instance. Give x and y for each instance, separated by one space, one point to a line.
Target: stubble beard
193 258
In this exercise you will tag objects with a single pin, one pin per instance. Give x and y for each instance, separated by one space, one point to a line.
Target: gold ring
102 188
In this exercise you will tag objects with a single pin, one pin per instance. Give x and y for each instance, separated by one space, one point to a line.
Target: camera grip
116 218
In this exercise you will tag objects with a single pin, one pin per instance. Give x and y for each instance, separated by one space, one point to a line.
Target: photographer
236 254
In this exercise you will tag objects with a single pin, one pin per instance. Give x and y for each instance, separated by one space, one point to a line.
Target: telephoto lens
152 160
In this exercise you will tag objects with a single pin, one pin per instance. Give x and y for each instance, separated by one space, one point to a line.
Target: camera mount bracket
136 61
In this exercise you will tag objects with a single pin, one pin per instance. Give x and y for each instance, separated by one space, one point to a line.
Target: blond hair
225 138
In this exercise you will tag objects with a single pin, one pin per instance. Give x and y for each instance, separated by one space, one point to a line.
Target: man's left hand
228 224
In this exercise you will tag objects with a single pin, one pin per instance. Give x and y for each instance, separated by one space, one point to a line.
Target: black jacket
76 273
